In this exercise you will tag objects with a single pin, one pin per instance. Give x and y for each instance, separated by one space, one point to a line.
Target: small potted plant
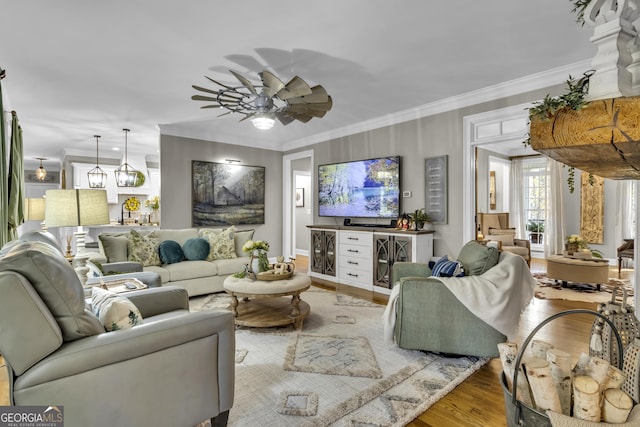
419 218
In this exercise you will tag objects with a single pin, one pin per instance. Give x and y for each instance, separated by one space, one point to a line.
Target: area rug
550 289
336 371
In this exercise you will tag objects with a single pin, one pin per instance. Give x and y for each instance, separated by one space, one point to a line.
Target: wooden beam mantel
603 138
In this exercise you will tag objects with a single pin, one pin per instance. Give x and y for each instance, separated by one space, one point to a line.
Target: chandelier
97 177
41 172
126 175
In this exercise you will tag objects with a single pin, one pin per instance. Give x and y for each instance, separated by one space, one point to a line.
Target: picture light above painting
226 194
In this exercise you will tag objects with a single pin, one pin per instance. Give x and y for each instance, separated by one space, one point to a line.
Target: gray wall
176 155
416 140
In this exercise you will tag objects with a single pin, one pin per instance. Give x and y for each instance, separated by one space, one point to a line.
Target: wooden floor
479 400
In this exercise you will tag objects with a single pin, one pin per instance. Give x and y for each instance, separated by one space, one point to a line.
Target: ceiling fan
262 104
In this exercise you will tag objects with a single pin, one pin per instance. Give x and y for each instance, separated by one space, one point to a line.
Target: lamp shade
34 209
70 208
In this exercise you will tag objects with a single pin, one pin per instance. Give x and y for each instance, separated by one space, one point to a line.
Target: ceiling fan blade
318 95
203 98
246 116
212 106
300 117
306 110
218 83
245 82
295 88
272 84
224 114
204 89
284 118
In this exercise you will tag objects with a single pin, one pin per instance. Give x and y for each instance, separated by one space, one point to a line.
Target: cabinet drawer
355 238
353 251
354 263
358 277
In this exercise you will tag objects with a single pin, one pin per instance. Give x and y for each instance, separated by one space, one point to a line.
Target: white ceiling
79 68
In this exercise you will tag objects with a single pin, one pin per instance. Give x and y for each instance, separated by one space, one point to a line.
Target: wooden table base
268 312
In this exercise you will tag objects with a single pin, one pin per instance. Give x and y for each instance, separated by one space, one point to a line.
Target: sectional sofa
180 256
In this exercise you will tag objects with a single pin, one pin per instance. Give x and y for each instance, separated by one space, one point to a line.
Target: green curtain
16 180
4 176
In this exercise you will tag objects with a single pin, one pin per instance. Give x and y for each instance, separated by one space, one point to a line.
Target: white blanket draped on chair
497 297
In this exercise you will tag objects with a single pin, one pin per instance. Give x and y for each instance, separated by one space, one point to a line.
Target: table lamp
71 208
34 211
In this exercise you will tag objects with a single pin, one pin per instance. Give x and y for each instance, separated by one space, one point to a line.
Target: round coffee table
592 271
261 305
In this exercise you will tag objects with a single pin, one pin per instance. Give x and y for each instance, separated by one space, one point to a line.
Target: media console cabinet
363 257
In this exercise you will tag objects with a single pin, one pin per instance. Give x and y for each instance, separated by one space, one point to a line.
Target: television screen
360 189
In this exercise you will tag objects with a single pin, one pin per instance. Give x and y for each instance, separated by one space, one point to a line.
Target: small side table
261 307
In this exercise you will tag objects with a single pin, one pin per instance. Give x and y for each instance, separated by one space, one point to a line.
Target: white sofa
197 277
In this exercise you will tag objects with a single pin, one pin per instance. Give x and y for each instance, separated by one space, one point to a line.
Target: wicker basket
631 367
626 323
520 414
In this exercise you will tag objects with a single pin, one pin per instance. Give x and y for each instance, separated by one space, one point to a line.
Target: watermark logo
31 416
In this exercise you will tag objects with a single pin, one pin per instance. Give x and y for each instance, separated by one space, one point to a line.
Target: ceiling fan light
263 121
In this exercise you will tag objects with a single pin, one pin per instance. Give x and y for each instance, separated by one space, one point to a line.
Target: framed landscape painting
226 194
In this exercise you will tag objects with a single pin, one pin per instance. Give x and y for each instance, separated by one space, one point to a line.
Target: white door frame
288 242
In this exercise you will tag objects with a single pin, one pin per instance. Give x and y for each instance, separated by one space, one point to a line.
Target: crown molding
517 86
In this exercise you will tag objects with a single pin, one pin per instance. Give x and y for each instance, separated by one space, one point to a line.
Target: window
535 197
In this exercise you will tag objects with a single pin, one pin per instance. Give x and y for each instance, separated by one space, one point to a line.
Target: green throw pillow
196 249
114 247
144 249
477 258
221 243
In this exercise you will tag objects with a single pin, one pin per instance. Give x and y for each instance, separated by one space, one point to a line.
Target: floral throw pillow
115 312
221 243
144 249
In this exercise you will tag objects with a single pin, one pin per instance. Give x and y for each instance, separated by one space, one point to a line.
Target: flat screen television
360 189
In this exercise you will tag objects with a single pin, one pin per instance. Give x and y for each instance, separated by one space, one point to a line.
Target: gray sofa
198 277
174 369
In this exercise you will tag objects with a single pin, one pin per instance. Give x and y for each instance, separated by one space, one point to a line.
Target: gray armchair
174 369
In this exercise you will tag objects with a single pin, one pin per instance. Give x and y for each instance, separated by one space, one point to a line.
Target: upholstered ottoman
593 271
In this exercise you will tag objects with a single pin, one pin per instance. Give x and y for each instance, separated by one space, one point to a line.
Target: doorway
296 164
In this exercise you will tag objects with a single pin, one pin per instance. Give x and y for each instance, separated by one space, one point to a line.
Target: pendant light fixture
126 175
97 177
41 172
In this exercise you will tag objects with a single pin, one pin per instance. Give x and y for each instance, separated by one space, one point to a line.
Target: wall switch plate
406 194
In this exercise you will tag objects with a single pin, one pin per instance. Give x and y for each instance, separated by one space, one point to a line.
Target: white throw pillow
114 311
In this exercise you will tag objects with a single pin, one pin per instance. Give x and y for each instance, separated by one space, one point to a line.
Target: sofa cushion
506 239
221 242
523 251
179 235
444 267
186 270
477 258
114 311
114 246
144 249
240 237
170 252
196 249
231 266
57 284
164 274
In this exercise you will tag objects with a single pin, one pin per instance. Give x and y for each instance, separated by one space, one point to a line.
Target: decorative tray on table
278 271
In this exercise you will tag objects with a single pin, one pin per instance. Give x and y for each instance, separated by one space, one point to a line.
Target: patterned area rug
336 371
550 289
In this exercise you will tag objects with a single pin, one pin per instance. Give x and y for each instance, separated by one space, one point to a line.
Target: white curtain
554 229
626 221
516 202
